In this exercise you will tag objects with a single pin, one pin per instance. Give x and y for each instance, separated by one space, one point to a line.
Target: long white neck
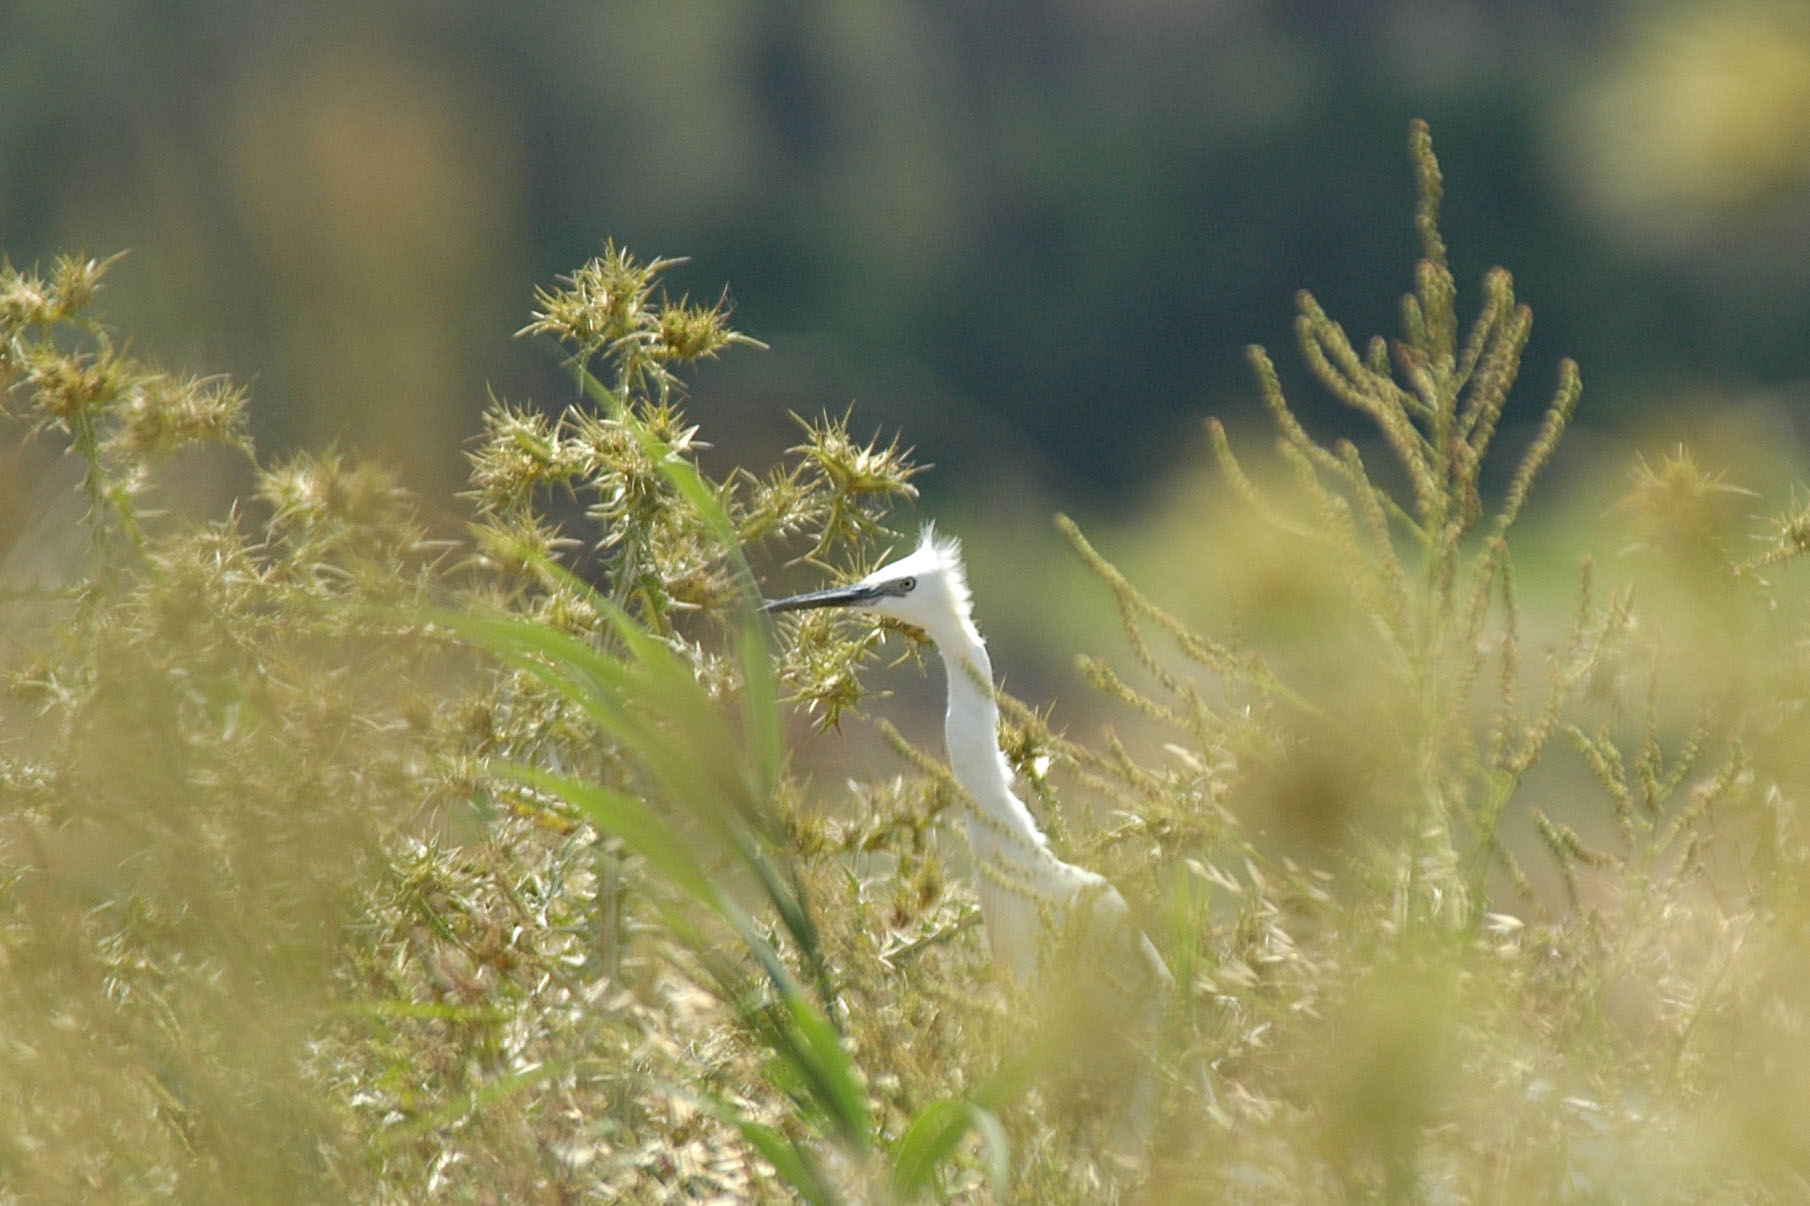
1018 878
1004 828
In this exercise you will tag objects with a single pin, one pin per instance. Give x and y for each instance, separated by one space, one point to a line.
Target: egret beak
836 596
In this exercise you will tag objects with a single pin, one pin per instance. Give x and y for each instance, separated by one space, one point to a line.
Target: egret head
927 588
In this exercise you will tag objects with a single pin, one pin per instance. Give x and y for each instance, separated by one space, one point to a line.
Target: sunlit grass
338 862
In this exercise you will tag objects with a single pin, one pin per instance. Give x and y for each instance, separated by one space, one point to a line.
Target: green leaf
933 1137
793 1162
831 1073
638 825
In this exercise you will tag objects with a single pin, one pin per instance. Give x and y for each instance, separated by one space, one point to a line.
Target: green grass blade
763 729
934 1136
560 662
835 1081
638 825
649 835
466 1104
927 1143
997 1150
660 712
794 1163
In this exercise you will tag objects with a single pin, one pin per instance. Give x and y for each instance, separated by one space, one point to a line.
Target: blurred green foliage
1025 232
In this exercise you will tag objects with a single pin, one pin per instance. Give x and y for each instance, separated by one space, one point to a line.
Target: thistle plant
206 736
63 372
699 806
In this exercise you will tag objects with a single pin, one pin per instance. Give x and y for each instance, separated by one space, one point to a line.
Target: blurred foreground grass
342 863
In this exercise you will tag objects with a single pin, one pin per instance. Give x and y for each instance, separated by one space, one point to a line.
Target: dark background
1034 237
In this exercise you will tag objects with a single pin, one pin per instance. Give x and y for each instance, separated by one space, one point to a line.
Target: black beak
836 596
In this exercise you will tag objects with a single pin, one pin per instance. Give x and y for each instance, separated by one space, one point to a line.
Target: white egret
1040 912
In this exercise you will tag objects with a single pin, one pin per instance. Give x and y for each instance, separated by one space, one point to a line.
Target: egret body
1032 902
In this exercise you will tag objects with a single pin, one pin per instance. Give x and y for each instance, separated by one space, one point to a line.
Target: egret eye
907 585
